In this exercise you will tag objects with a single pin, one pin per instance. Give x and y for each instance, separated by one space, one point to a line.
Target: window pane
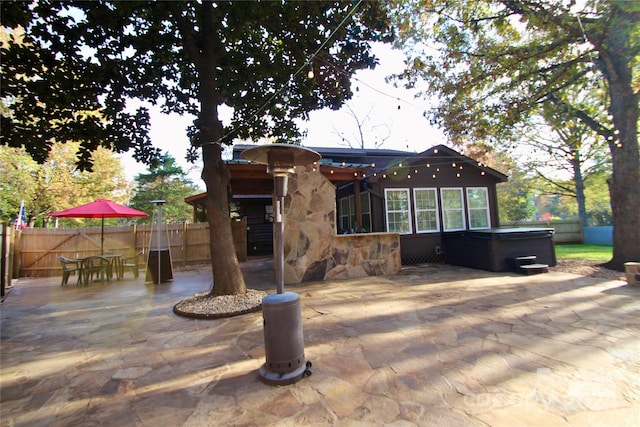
398 222
427 220
477 198
365 207
478 219
452 198
453 220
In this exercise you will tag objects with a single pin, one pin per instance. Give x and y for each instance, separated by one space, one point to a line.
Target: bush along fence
37 250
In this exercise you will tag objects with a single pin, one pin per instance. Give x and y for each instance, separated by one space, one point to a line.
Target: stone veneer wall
313 252
367 254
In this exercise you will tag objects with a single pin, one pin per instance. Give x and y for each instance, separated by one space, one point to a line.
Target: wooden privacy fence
37 249
566 231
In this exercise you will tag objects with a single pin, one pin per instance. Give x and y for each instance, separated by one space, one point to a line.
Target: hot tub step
525 260
534 269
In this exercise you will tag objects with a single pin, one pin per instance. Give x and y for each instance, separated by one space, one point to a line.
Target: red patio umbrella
101 208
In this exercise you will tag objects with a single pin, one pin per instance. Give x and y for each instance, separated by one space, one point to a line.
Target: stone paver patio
434 346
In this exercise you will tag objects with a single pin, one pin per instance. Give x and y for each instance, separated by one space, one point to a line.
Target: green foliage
52 93
84 60
17 183
587 252
57 184
168 182
597 200
490 64
515 202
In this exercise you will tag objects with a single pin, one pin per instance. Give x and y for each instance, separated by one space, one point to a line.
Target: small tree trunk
576 163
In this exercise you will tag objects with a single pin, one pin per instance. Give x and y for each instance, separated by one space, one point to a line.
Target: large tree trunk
624 184
227 275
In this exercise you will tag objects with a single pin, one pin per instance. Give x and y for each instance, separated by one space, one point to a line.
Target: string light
310 74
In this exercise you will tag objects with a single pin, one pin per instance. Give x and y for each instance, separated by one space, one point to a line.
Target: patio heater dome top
281 157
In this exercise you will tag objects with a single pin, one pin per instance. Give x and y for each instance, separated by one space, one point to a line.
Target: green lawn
590 252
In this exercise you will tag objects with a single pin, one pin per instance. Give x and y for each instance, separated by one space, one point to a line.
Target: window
426 210
347 214
478 208
365 208
397 210
452 209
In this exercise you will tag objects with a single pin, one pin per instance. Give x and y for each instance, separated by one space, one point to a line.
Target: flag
21 220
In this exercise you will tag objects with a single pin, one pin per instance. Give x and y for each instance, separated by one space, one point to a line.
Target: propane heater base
276 378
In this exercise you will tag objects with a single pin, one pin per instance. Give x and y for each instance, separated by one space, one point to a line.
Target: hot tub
494 249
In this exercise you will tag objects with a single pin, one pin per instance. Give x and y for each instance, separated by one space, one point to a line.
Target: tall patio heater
159 267
283 338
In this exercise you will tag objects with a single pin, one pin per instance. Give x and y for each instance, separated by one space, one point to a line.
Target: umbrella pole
102 237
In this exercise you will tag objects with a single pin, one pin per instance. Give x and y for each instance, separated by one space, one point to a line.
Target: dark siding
419 248
259 230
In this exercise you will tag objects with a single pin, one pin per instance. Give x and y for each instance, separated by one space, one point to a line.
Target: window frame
408 210
444 209
487 208
417 210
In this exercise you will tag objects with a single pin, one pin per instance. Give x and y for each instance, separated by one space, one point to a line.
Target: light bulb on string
310 74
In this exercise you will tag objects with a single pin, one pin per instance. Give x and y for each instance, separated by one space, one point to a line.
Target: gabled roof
438 157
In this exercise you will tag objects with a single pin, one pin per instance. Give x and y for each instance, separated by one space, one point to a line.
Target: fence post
3 259
185 255
133 236
14 250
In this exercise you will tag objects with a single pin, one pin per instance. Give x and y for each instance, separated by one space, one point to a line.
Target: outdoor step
525 260
534 269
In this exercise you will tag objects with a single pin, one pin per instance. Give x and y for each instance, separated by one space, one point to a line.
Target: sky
392 118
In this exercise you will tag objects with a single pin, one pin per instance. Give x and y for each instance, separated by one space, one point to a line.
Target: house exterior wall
446 170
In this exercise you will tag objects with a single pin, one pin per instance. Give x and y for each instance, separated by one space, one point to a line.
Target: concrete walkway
434 346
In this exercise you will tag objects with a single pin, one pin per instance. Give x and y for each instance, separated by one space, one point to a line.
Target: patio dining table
112 261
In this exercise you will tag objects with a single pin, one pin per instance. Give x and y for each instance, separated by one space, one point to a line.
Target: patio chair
131 263
97 265
69 267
